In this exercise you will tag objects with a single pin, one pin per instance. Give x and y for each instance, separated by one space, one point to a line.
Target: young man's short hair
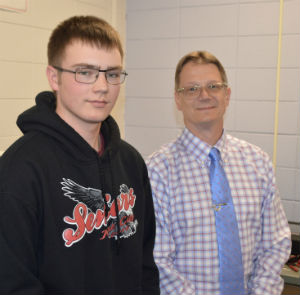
87 29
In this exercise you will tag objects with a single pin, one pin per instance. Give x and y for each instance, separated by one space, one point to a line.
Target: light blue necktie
230 256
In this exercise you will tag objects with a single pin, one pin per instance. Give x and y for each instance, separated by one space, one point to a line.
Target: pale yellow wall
23 54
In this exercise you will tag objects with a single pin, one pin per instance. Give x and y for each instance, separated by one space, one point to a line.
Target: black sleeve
18 247
150 270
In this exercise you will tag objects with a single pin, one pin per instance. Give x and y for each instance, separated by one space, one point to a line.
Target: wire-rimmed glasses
90 75
191 92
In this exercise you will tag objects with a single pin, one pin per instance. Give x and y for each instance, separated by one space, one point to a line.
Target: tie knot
214 154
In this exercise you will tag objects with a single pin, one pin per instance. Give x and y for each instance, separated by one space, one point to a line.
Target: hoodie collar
42 118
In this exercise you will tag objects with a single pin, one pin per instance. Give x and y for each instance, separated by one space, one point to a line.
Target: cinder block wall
23 53
243 34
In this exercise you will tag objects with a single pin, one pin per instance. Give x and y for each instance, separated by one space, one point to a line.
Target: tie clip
217 207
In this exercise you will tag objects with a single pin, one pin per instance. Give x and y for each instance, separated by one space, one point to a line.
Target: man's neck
90 133
208 133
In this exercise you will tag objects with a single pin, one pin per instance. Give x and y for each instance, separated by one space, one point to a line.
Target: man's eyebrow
84 65
115 68
90 66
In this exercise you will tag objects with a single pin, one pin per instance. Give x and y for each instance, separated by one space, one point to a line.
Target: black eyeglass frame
124 73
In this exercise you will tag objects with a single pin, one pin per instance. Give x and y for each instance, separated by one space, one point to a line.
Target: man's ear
52 75
177 100
228 94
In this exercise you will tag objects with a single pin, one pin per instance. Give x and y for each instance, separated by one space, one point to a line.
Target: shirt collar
221 145
199 148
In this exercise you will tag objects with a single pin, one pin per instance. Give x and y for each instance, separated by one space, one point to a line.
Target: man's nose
203 92
101 83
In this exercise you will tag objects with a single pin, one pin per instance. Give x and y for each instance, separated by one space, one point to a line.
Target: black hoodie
71 221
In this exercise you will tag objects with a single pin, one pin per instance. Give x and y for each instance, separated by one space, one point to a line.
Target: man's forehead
203 71
82 53
90 44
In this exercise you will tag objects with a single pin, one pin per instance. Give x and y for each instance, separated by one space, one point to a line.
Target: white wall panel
139 137
153 4
148 83
243 34
206 2
253 84
253 20
292 209
291 17
290 51
223 47
153 24
12 75
297 195
160 53
256 1
257 116
289 118
286 182
150 112
257 51
208 21
12 42
289 84
15 107
298 154
287 151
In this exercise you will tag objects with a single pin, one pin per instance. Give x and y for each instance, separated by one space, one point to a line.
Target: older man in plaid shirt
186 249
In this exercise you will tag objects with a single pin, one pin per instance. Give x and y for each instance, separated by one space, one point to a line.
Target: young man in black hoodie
76 211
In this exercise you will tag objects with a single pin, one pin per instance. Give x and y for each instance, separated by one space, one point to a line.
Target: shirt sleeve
171 280
275 243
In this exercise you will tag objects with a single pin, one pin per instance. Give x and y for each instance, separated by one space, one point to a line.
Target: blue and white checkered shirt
186 250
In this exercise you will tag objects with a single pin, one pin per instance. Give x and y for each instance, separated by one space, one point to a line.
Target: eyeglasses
192 92
90 75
